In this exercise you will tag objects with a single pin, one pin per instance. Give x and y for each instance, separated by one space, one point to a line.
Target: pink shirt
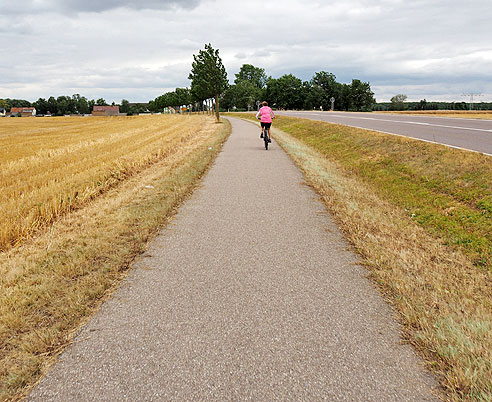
266 114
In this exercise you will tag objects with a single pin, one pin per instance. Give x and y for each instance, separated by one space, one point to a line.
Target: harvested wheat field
79 200
51 166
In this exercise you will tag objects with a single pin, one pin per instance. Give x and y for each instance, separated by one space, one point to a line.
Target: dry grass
51 283
51 166
464 114
401 203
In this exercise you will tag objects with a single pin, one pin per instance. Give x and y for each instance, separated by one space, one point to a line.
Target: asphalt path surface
469 134
250 293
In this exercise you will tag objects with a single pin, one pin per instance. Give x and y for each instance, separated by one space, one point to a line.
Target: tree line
252 85
210 88
290 92
75 104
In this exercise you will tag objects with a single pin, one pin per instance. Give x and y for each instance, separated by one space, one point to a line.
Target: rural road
250 293
470 134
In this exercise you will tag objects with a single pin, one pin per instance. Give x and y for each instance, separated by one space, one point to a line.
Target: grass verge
419 215
50 285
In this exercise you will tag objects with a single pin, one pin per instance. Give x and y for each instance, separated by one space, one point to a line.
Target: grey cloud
96 6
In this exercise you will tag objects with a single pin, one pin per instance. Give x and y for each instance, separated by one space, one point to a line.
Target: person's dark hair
264 103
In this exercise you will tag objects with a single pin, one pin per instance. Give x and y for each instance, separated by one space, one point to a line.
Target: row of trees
251 85
74 104
289 92
61 105
174 99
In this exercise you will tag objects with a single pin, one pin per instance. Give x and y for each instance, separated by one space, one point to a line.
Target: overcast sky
137 50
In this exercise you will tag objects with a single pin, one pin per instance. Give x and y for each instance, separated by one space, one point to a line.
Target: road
250 293
470 134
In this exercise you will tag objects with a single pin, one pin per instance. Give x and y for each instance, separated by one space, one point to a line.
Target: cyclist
265 114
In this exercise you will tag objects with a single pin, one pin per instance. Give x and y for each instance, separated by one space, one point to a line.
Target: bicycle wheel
265 137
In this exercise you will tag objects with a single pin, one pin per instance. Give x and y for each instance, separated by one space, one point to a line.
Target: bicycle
265 137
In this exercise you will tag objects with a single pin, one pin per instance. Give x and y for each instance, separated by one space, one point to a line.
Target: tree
398 102
182 97
52 105
101 102
325 86
125 106
361 95
177 98
422 104
41 106
18 103
208 76
242 95
285 92
345 99
248 88
255 75
83 106
4 104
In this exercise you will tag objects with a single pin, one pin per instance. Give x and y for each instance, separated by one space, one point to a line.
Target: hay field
49 166
89 194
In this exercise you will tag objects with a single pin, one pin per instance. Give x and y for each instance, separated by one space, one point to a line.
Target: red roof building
106 111
23 111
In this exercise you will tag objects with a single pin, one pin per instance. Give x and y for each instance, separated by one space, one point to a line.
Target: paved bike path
250 293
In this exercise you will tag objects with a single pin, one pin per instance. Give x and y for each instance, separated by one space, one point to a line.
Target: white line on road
419 139
405 122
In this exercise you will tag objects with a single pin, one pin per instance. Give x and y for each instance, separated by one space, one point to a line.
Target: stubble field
51 166
79 200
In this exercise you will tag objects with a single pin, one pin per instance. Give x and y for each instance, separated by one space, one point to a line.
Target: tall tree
285 92
345 99
362 96
326 85
125 106
208 76
52 105
255 75
41 106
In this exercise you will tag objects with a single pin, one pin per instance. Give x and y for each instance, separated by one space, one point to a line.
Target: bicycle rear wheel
265 137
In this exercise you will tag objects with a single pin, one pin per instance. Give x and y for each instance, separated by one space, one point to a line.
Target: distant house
23 111
106 111
3 112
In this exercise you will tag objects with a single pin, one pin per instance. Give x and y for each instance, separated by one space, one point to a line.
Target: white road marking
404 122
400 135
421 139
